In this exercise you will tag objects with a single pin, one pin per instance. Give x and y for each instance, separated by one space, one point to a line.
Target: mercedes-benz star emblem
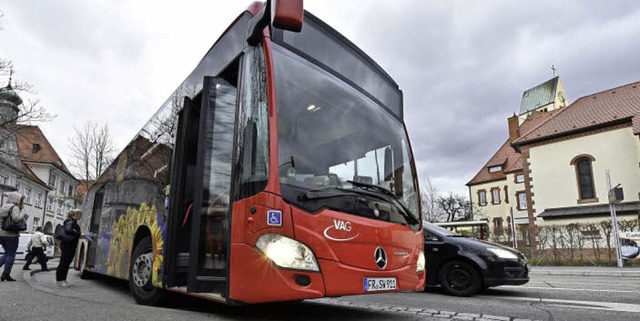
380 256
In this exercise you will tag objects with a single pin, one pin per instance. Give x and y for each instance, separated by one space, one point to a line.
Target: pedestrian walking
10 239
36 246
68 244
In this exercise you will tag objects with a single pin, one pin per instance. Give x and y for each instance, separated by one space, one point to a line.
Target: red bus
279 170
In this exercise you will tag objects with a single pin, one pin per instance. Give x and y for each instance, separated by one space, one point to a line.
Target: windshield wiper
326 192
403 210
376 187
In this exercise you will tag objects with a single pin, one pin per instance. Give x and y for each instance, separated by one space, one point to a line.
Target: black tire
140 275
460 278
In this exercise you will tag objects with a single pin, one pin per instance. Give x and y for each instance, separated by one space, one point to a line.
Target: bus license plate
379 284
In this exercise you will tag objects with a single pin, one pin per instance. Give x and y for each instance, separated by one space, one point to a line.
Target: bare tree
429 202
91 150
103 149
455 207
31 110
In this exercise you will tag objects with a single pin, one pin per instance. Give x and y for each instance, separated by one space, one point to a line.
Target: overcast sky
462 65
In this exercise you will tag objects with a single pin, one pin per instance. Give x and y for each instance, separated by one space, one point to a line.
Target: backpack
61 235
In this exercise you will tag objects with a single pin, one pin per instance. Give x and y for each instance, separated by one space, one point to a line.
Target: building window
27 195
506 194
497 226
522 200
495 195
38 199
482 197
19 187
52 180
584 176
50 203
59 208
520 178
4 179
63 187
494 169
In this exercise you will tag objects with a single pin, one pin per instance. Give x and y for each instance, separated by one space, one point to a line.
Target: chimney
514 127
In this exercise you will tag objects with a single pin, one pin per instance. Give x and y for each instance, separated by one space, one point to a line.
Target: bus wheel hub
142 270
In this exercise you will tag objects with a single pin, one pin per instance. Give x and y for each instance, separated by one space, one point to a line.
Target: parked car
463 266
22 246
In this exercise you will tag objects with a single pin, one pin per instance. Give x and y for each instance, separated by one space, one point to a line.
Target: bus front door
209 243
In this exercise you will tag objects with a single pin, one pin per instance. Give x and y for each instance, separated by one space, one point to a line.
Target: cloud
462 65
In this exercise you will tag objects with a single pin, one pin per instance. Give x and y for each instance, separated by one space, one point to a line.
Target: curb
589 273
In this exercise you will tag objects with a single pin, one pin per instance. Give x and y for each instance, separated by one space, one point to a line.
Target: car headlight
503 254
287 253
421 262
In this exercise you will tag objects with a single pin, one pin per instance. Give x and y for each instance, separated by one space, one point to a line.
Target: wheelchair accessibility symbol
274 218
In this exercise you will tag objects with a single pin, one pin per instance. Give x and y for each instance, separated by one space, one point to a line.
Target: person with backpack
9 240
36 246
68 243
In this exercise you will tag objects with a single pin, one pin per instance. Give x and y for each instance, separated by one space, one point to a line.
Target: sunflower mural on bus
121 245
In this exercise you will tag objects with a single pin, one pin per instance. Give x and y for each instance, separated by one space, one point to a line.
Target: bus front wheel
140 275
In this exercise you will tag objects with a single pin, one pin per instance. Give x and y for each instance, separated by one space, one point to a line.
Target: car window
430 237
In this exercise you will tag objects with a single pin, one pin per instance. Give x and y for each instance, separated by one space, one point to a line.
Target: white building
30 165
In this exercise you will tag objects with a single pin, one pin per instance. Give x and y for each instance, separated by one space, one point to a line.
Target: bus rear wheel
140 275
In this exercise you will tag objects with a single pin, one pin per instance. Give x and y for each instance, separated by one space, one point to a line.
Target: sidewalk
586 271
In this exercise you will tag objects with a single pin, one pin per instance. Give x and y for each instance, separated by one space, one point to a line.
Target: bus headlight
287 253
421 262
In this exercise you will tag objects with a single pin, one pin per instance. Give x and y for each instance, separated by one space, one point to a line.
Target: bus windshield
335 140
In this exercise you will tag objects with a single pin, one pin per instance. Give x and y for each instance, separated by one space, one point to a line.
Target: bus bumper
341 279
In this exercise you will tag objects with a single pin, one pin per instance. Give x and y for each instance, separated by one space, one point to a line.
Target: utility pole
615 196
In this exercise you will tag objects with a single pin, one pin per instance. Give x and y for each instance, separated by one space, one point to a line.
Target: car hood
480 245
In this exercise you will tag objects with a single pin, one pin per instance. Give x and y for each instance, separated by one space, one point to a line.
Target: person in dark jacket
68 248
8 239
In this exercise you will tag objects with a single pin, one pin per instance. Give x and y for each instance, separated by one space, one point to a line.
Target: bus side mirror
287 14
388 164
283 14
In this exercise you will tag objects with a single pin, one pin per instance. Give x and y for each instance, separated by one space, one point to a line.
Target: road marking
592 305
567 289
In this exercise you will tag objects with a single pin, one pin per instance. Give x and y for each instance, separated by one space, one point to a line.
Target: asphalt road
552 294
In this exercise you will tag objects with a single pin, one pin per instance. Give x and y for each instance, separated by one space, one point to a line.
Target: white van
22 246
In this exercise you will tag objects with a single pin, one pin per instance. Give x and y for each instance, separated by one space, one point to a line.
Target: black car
463 266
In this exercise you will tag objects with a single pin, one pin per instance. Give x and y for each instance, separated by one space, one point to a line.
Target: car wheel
460 278
140 274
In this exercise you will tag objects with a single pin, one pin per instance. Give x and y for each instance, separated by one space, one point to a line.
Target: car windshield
441 231
333 137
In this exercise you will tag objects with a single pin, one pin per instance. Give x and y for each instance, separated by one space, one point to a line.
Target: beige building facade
562 152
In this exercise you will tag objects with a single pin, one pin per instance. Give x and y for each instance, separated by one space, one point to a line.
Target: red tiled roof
33 146
506 156
595 110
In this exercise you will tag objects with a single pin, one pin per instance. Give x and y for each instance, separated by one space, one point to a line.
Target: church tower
547 96
9 102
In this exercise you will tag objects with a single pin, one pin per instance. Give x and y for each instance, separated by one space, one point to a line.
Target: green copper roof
539 95
8 94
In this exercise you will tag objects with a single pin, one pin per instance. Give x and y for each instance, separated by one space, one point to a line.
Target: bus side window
253 127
